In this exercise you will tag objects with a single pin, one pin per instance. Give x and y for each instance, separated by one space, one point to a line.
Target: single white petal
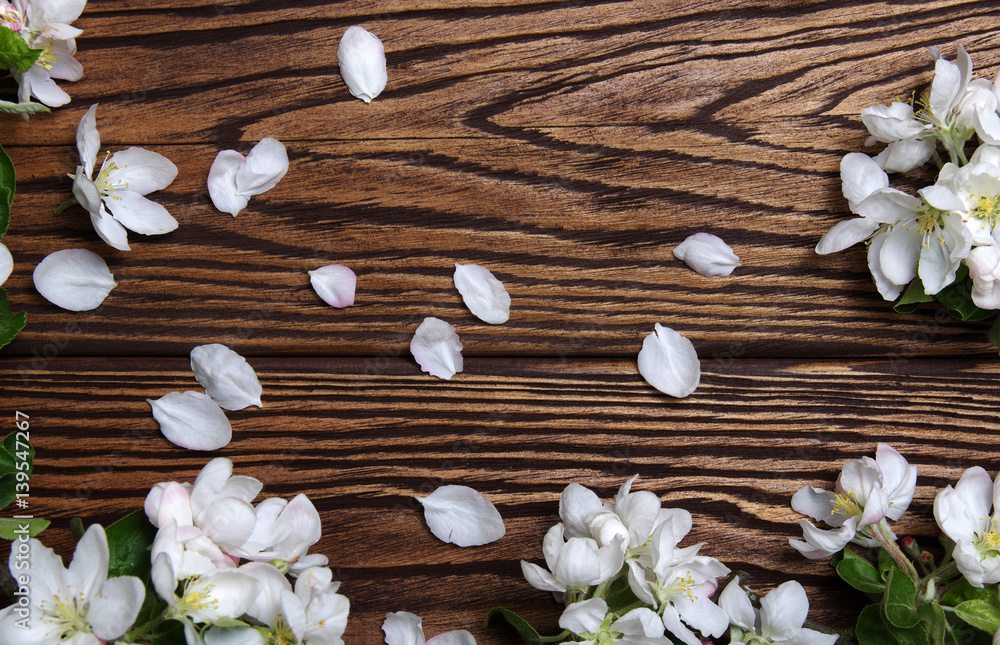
578 563
265 165
703 614
642 621
40 84
74 279
906 154
113 611
860 177
89 568
735 602
140 171
889 206
229 523
935 268
229 594
86 191
822 544
436 348
455 637
817 503
672 623
109 229
987 124
361 57
192 420
899 253
899 479
946 88
88 140
403 628
222 182
539 578
783 611
575 504
335 284
140 214
669 362
942 198
226 376
707 254
482 293
584 617
460 515
889 123
846 234
887 288
6 264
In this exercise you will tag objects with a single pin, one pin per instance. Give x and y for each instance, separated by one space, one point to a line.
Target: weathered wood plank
362 436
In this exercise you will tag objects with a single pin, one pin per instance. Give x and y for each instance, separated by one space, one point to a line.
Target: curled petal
264 166
109 229
460 515
669 362
889 123
361 57
539 578
822 544
88 140
584 617
735 602
74 279
860 177
335 284
906 154
222 183
483 294
846 234
6 264
815 502
783 611
226 376
192 420
707 254
436 348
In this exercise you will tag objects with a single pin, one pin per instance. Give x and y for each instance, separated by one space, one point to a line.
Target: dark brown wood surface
567 146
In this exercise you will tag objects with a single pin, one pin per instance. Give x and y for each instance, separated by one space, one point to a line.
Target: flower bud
362 63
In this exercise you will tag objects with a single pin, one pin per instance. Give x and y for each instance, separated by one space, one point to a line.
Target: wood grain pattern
566 145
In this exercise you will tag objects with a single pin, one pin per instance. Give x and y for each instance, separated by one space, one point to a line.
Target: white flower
963 513
192 420
436 348
482 293
74 279
591 620
669 362
79 605
782 613
233 179
632 516
984 269
335 284
463 516
404 628
574 563
361 57
911 143
120 186
707 254
6 264
283 532
226 376
45 25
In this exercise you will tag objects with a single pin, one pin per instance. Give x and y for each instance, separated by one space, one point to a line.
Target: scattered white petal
335 284
74 279
436 348
669 362
233 179
192 420
707 254
361 57
460 515
226 376
6 264
483 294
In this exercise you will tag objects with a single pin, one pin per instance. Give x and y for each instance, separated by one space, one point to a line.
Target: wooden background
567 146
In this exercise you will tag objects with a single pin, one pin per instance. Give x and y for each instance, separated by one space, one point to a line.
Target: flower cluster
942 243
44 25
204 531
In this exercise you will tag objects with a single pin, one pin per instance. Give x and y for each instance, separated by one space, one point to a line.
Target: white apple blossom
45 25
780 618
595 625
964 514
282 534
404 628
574 563
984 269
78 605
120 187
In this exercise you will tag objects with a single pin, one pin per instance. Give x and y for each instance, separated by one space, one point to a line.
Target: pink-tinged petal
783 611
114 610
192 420
886 288
822 544
482 293
226 376
403 628
899 479
584 617
860 177
735 602
335 284
174 504
454 637
539 578
575 504
669 362
361 57
899 254
88 140
460 515
265 165
817 503
846 234
707 254
222 183
140 171
74 279
139 214
436 348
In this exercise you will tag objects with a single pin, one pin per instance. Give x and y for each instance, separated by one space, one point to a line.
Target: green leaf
885 563
13 452
10 324
859 573
871 628
11 529
899 604
963 591
912 297
980 614
934 621
8 179
26 107
77 528
169 632
916 635
498 616
14 52
129 540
